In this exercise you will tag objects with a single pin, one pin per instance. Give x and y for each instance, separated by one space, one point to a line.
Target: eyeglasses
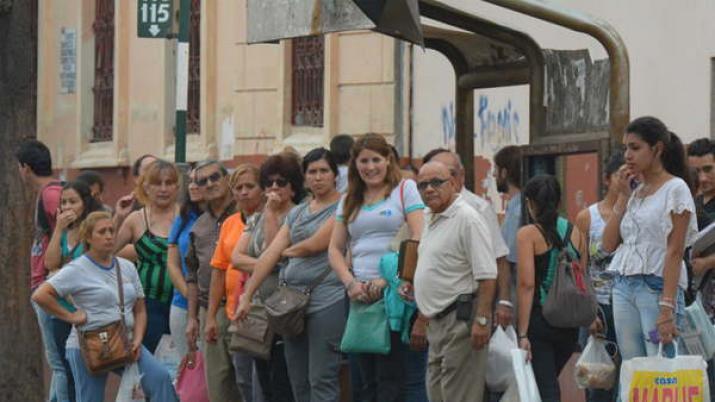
434 183
214 178
281 182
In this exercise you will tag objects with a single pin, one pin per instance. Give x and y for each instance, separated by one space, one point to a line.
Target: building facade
105 96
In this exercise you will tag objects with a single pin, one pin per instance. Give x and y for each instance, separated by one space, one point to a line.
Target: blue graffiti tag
448 125
496 128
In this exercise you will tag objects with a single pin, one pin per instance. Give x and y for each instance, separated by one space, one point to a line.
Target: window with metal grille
103 88
307 78
193 114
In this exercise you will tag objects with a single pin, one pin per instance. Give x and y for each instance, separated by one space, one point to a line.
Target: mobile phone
634 183
465 305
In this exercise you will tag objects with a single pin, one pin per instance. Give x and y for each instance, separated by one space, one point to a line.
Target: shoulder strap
318 280
146 219
120 286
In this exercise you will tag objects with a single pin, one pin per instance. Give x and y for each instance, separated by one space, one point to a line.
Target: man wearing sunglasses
206 286
454 287
504 309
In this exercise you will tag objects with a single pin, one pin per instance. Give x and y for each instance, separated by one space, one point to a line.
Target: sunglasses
214 178
434 183
281 182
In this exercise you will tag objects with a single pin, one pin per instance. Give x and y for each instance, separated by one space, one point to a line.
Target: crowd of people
197 253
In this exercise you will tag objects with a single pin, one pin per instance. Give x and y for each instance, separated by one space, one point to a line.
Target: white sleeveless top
598 261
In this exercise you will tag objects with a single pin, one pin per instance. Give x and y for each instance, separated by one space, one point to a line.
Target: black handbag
286 307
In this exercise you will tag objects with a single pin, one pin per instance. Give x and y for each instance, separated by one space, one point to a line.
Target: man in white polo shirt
504 311
454 287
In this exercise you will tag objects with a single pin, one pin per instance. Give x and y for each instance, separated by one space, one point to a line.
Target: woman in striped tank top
148 230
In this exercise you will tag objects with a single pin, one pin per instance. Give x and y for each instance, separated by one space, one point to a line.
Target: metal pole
182 81
619 100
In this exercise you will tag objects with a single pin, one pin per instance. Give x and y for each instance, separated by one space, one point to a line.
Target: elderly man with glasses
454 287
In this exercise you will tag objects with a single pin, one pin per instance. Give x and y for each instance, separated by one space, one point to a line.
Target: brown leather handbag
107 348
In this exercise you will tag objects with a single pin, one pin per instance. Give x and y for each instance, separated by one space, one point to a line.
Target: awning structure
484 54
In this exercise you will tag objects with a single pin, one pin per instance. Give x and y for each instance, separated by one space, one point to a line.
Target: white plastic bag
524 374
168 355
657 378
595 368
130 388
499 368
701 322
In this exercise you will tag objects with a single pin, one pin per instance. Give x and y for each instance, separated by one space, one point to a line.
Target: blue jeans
416 371
635 311
156 381
61 331
58 384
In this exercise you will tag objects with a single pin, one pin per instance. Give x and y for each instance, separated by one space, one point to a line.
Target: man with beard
507 173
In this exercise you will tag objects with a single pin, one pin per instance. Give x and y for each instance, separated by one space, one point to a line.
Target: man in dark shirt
35 168
701 158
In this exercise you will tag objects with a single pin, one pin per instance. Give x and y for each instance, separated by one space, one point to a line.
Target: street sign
154 18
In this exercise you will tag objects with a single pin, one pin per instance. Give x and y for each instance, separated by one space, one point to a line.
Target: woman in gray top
282 181
313 358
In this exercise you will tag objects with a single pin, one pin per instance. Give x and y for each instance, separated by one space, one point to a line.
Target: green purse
367 330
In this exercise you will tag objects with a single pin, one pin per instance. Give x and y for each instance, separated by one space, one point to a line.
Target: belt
449 309
446 311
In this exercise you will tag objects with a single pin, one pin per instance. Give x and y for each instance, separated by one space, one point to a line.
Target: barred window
307 78
193 114
103 89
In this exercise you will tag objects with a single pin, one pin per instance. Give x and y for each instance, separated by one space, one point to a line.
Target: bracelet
506 303
351 284
664 303
668 299
523 337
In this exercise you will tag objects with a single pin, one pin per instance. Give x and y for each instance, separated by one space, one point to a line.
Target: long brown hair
355 197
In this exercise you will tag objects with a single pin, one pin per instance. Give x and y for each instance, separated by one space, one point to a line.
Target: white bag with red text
499 367
682 378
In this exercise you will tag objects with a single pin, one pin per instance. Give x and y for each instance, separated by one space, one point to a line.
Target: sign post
154 18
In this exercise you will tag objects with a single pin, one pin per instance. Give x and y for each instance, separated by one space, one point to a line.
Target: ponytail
544 193
652 130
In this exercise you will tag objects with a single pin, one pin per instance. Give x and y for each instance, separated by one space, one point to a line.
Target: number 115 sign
154 18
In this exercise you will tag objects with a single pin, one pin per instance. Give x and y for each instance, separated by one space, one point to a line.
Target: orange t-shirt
231 231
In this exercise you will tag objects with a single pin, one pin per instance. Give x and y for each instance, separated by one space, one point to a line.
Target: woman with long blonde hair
148 229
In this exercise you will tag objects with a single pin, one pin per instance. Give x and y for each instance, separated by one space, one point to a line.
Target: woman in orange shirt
249 196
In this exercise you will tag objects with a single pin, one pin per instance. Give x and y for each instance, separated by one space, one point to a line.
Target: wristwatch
481 320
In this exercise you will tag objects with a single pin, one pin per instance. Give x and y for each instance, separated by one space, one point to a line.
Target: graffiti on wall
496 125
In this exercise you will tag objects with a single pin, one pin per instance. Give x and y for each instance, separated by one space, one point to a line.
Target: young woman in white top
649 229
373 210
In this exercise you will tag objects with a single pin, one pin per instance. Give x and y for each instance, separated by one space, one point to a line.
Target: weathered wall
245 89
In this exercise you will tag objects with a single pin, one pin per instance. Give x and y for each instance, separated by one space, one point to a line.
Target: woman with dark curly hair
281 179
312 360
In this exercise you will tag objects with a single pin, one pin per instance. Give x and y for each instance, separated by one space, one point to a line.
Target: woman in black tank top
549 347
